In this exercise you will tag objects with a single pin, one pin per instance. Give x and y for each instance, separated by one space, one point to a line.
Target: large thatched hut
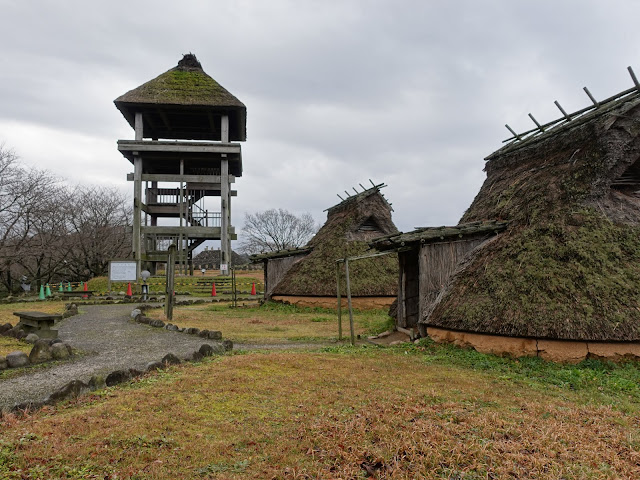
562 280
307 276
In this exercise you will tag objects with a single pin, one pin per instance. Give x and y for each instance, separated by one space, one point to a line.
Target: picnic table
39 323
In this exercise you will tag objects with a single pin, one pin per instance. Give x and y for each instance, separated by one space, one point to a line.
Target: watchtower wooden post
185 152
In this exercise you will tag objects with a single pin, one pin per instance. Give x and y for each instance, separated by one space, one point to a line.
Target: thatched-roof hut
307 276
562 280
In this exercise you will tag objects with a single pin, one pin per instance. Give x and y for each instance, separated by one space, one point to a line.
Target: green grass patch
601 381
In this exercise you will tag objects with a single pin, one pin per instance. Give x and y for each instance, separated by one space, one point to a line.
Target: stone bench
39 323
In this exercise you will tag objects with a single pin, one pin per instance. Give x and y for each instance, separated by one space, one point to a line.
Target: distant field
197 285
409 412
274 322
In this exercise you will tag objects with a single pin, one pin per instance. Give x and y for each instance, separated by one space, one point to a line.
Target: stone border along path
109 340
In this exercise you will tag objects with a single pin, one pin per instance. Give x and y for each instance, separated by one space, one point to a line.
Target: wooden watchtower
185 151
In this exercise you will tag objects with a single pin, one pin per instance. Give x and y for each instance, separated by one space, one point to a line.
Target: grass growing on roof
365 412
575 278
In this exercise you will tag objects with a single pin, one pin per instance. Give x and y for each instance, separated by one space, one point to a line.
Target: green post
41 295
61 288
68 286
48 290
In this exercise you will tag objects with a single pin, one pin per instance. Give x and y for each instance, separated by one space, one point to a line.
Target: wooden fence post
339 300
346 267
168 299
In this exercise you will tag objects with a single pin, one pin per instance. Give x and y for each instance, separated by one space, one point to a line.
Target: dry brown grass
7 309
8 345
329 416
274 323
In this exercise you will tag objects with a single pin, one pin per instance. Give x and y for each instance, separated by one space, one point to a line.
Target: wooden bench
39 323
75 293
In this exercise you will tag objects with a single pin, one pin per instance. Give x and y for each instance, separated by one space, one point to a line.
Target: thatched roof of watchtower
350 226
568 266
184 103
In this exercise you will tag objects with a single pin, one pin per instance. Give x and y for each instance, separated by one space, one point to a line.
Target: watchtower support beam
225 242
137 193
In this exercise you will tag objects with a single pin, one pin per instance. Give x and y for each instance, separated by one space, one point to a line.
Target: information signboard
123 271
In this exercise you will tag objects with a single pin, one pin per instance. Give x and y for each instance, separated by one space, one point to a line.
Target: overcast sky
413 93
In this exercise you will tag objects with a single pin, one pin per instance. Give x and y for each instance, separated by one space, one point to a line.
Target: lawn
274 322
403 413
8 345
49 306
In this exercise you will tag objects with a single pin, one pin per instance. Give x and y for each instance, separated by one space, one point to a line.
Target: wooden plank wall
437 263
276 269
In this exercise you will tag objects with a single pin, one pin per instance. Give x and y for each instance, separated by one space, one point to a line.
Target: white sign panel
223 266
123 271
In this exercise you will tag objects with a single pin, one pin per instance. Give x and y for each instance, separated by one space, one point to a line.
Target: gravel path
110 340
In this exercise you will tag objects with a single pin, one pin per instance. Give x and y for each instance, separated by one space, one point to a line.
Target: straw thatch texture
568 267
184 103
185 84
349 227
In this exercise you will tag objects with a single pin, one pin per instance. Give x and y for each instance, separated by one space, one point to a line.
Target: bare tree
43 245
28 220
99 222
274 230
50 232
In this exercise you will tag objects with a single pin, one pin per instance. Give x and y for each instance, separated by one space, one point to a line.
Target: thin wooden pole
346 268
171 263
339 301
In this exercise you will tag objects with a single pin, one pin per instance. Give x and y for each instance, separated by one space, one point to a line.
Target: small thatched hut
562 281
307 276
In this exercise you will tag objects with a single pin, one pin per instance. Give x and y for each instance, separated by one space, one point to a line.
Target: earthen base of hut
390 338
553 350
360 303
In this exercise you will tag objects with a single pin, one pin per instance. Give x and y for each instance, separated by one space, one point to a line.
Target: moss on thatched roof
184 103
343 236
568 266
185 84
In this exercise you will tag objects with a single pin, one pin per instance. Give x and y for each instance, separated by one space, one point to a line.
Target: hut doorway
409 289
